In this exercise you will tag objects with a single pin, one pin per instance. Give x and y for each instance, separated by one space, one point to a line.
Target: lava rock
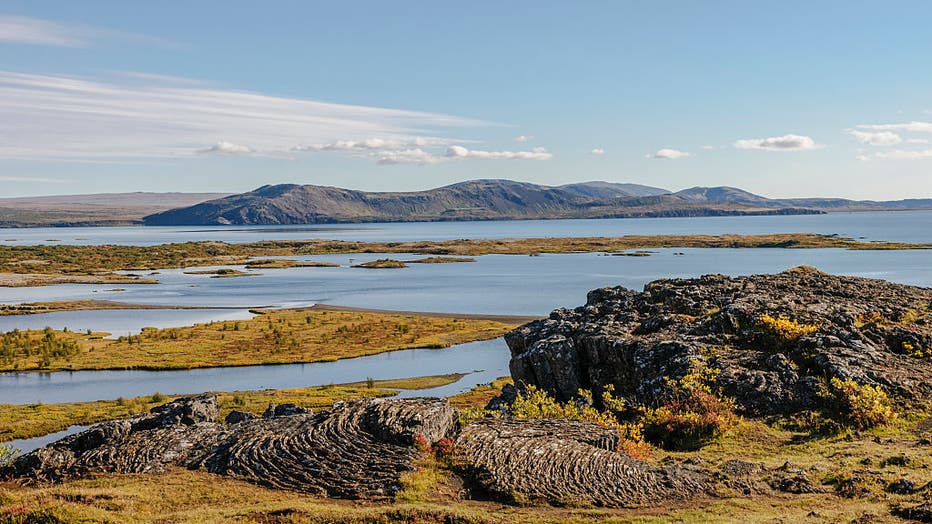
567 462
861 329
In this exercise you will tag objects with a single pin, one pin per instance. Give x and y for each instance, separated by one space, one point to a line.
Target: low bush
860 406
692 412
784 328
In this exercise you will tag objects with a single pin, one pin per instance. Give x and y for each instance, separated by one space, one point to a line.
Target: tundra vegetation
851 474
272 337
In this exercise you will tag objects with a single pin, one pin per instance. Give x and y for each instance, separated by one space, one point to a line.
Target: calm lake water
906 226
500 284
484 361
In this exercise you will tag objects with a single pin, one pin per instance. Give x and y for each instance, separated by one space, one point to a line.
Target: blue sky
782 99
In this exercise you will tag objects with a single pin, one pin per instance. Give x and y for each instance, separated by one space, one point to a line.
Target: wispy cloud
374 144
879 138
668 154
779 143
71 118
35 31
916 127
32 179
898 154
597 151
524 138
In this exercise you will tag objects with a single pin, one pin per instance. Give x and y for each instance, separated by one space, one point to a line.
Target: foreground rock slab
870 331
568 462
355 450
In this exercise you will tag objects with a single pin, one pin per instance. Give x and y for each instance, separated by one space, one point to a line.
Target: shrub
159 398
692 414
861 406
784 328
7 454
533 403
689 421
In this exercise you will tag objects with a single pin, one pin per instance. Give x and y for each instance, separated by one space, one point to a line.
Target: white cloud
538 153
597 151
408 156
708 148
880 138
35 31
71 118
779 143
916 127
421 156
227 148
524 138
917 140
667 153
898 154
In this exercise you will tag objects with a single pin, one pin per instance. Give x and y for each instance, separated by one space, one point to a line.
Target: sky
784 99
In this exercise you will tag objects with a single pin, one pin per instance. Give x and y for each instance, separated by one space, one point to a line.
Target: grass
19 421
78 305
48 264
479 396
272 337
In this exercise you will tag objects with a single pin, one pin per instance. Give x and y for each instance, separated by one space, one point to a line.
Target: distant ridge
470 200
101 209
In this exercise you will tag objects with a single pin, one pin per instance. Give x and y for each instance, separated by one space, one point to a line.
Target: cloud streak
71 118
35 31
898 154
779 143
915 127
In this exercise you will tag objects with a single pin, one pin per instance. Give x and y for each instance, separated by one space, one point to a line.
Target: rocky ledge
355 450
772 340
361 449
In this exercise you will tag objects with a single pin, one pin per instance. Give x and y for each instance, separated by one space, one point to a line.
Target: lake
905 226
495 284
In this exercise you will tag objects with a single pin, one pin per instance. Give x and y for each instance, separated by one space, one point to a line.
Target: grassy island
272 337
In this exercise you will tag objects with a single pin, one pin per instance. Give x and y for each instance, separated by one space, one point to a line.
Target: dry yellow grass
433 495
272 337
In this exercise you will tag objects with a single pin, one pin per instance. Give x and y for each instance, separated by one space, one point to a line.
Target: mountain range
471 200
496 200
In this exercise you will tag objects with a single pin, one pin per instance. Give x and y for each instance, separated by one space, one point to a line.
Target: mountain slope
471 200
724 194
598 189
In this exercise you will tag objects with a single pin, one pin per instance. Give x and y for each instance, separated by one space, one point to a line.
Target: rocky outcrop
355 450
870 331
567 462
